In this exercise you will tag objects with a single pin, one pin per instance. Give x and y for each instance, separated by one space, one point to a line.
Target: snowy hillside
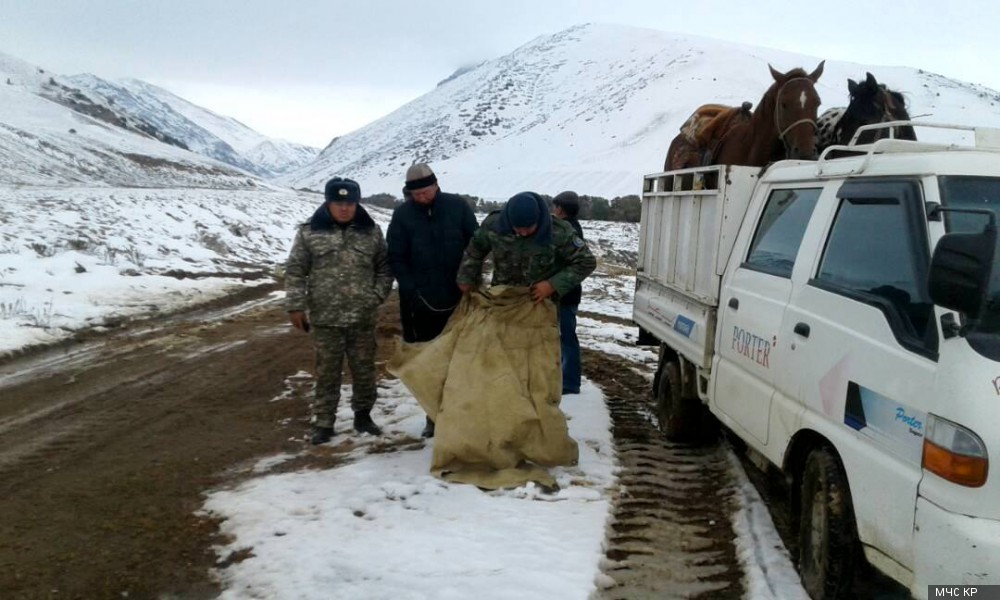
51 134
199 129
593 108
84 257
57 130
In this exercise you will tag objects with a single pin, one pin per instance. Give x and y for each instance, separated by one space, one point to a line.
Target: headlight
955 453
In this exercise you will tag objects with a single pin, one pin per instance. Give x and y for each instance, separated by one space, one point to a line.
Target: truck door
865 342
756 289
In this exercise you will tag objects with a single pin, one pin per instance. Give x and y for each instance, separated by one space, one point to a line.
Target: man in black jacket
566 206
427 237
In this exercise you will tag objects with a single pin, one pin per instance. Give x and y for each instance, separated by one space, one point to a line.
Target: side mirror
961 269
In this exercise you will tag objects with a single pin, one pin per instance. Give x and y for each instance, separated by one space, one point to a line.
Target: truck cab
806 308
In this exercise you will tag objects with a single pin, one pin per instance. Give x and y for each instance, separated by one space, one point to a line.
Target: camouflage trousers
357 342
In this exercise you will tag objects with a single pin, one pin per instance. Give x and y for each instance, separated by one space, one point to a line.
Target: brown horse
783 126
701 133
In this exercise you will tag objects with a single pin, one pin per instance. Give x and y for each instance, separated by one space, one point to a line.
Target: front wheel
828 542
679 417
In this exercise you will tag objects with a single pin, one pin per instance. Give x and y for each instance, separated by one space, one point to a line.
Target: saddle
709 123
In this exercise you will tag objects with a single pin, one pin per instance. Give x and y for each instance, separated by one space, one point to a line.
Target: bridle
777 112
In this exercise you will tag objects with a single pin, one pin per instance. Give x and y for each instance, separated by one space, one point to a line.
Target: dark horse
871 102
783 125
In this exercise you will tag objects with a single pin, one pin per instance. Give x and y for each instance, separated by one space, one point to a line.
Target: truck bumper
953 549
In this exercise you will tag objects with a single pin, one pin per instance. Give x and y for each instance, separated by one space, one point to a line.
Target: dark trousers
569 344
420 322
357 343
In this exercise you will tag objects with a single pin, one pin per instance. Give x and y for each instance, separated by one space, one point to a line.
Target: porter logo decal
752 346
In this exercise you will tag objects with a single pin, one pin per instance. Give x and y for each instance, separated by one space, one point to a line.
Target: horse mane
898 104
868 94
897 107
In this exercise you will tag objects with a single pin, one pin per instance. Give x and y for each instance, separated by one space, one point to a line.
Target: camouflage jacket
554 253
339 274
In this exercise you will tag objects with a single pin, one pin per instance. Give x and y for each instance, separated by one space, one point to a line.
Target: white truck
841 317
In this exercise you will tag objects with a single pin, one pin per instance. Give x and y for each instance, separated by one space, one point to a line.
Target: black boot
320 435
363 423
428 431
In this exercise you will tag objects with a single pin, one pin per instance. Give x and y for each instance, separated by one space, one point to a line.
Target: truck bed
689 223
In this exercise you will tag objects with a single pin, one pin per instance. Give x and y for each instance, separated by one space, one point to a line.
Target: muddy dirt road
107 445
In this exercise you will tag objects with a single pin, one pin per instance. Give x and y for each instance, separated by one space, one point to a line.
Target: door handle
802 329
734 303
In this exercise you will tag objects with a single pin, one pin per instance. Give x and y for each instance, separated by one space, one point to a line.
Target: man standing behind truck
566 206
427 236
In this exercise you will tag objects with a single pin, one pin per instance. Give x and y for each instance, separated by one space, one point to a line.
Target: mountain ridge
202 130
57 151
593 108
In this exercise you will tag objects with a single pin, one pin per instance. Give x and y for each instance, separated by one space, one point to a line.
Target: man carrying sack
492 379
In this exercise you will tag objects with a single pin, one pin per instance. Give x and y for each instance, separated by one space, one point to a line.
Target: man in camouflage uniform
529 248
336 277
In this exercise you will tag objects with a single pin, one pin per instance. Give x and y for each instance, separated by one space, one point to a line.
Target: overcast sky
309 70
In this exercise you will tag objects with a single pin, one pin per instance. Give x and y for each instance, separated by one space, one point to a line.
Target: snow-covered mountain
53 134
593 108
199 129
38 108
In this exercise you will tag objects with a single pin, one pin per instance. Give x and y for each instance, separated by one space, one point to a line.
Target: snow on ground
615 339
611 289
770 572
381 526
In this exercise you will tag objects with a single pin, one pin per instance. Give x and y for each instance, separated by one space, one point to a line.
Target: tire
678 416
828 541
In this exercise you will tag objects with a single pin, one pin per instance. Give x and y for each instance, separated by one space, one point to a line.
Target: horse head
795 103
872 102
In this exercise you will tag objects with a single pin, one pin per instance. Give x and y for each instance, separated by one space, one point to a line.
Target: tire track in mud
670 534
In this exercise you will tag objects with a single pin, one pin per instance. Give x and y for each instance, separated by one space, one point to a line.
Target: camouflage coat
339 274
554 253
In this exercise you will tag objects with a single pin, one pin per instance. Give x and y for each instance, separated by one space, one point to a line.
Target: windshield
975 192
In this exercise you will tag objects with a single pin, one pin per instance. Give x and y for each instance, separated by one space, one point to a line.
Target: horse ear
870 80
852 87
777 76
819 71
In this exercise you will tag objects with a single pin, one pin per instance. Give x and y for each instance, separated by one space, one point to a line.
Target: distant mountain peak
57 130
200 129
459 72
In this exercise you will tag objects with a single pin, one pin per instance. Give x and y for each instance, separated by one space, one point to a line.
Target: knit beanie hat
341 189
567 198
419 176
522 210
